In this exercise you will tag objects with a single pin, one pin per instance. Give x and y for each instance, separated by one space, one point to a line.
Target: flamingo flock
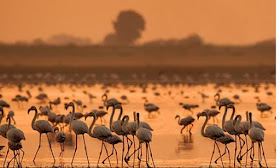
132 134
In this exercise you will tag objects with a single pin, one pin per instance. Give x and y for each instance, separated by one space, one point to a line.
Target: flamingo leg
246 153
116 155
228 155
128 149
76 146
140 158
12 159
147 154
6 157
109 155
134 149
247 149
259 155
190 131
241 147
263 154
151 155
123 150
253 155
38 148
106 150
86 149
100 154
235 149
134 152
212 153
23 153
220 153
182 129
51 148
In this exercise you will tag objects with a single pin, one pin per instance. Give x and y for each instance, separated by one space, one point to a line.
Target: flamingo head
31 108
68 105
222 104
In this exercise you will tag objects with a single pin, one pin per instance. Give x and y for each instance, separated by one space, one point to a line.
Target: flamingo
60 137
213 132
116 125
263 107
4 127
14 136
220 101
11 114
43 127
185 122
4 104
124 124
229 127
107 101
132 127
227 139
257 136
245 127
149 107
100 132
79 128
144 135
100 114
113 140
15 147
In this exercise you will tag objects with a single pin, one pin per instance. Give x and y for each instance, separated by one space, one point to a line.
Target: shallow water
169 147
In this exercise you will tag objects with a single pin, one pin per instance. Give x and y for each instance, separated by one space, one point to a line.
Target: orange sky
217 21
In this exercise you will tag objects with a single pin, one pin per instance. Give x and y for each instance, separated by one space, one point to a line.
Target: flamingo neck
34 119
250 117
138 123
112 117
247 116
232 114
120 115
2 114
218 99
203 127
179 118
9 123
90 131
72 116
125 122
224 117
105 100
238 121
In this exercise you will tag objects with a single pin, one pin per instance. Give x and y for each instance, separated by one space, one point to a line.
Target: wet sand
170 148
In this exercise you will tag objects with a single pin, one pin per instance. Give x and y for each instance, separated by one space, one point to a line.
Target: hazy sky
217 21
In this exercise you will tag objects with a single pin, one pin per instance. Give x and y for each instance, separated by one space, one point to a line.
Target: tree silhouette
128 28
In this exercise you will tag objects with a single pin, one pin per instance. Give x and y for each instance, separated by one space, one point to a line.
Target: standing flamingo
79 128
43 127
256 135
132 127
144 136
213 132
113 140
60 137
4 127
100 132
116 125
14 136
229 127
125 129
185 122
245 127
